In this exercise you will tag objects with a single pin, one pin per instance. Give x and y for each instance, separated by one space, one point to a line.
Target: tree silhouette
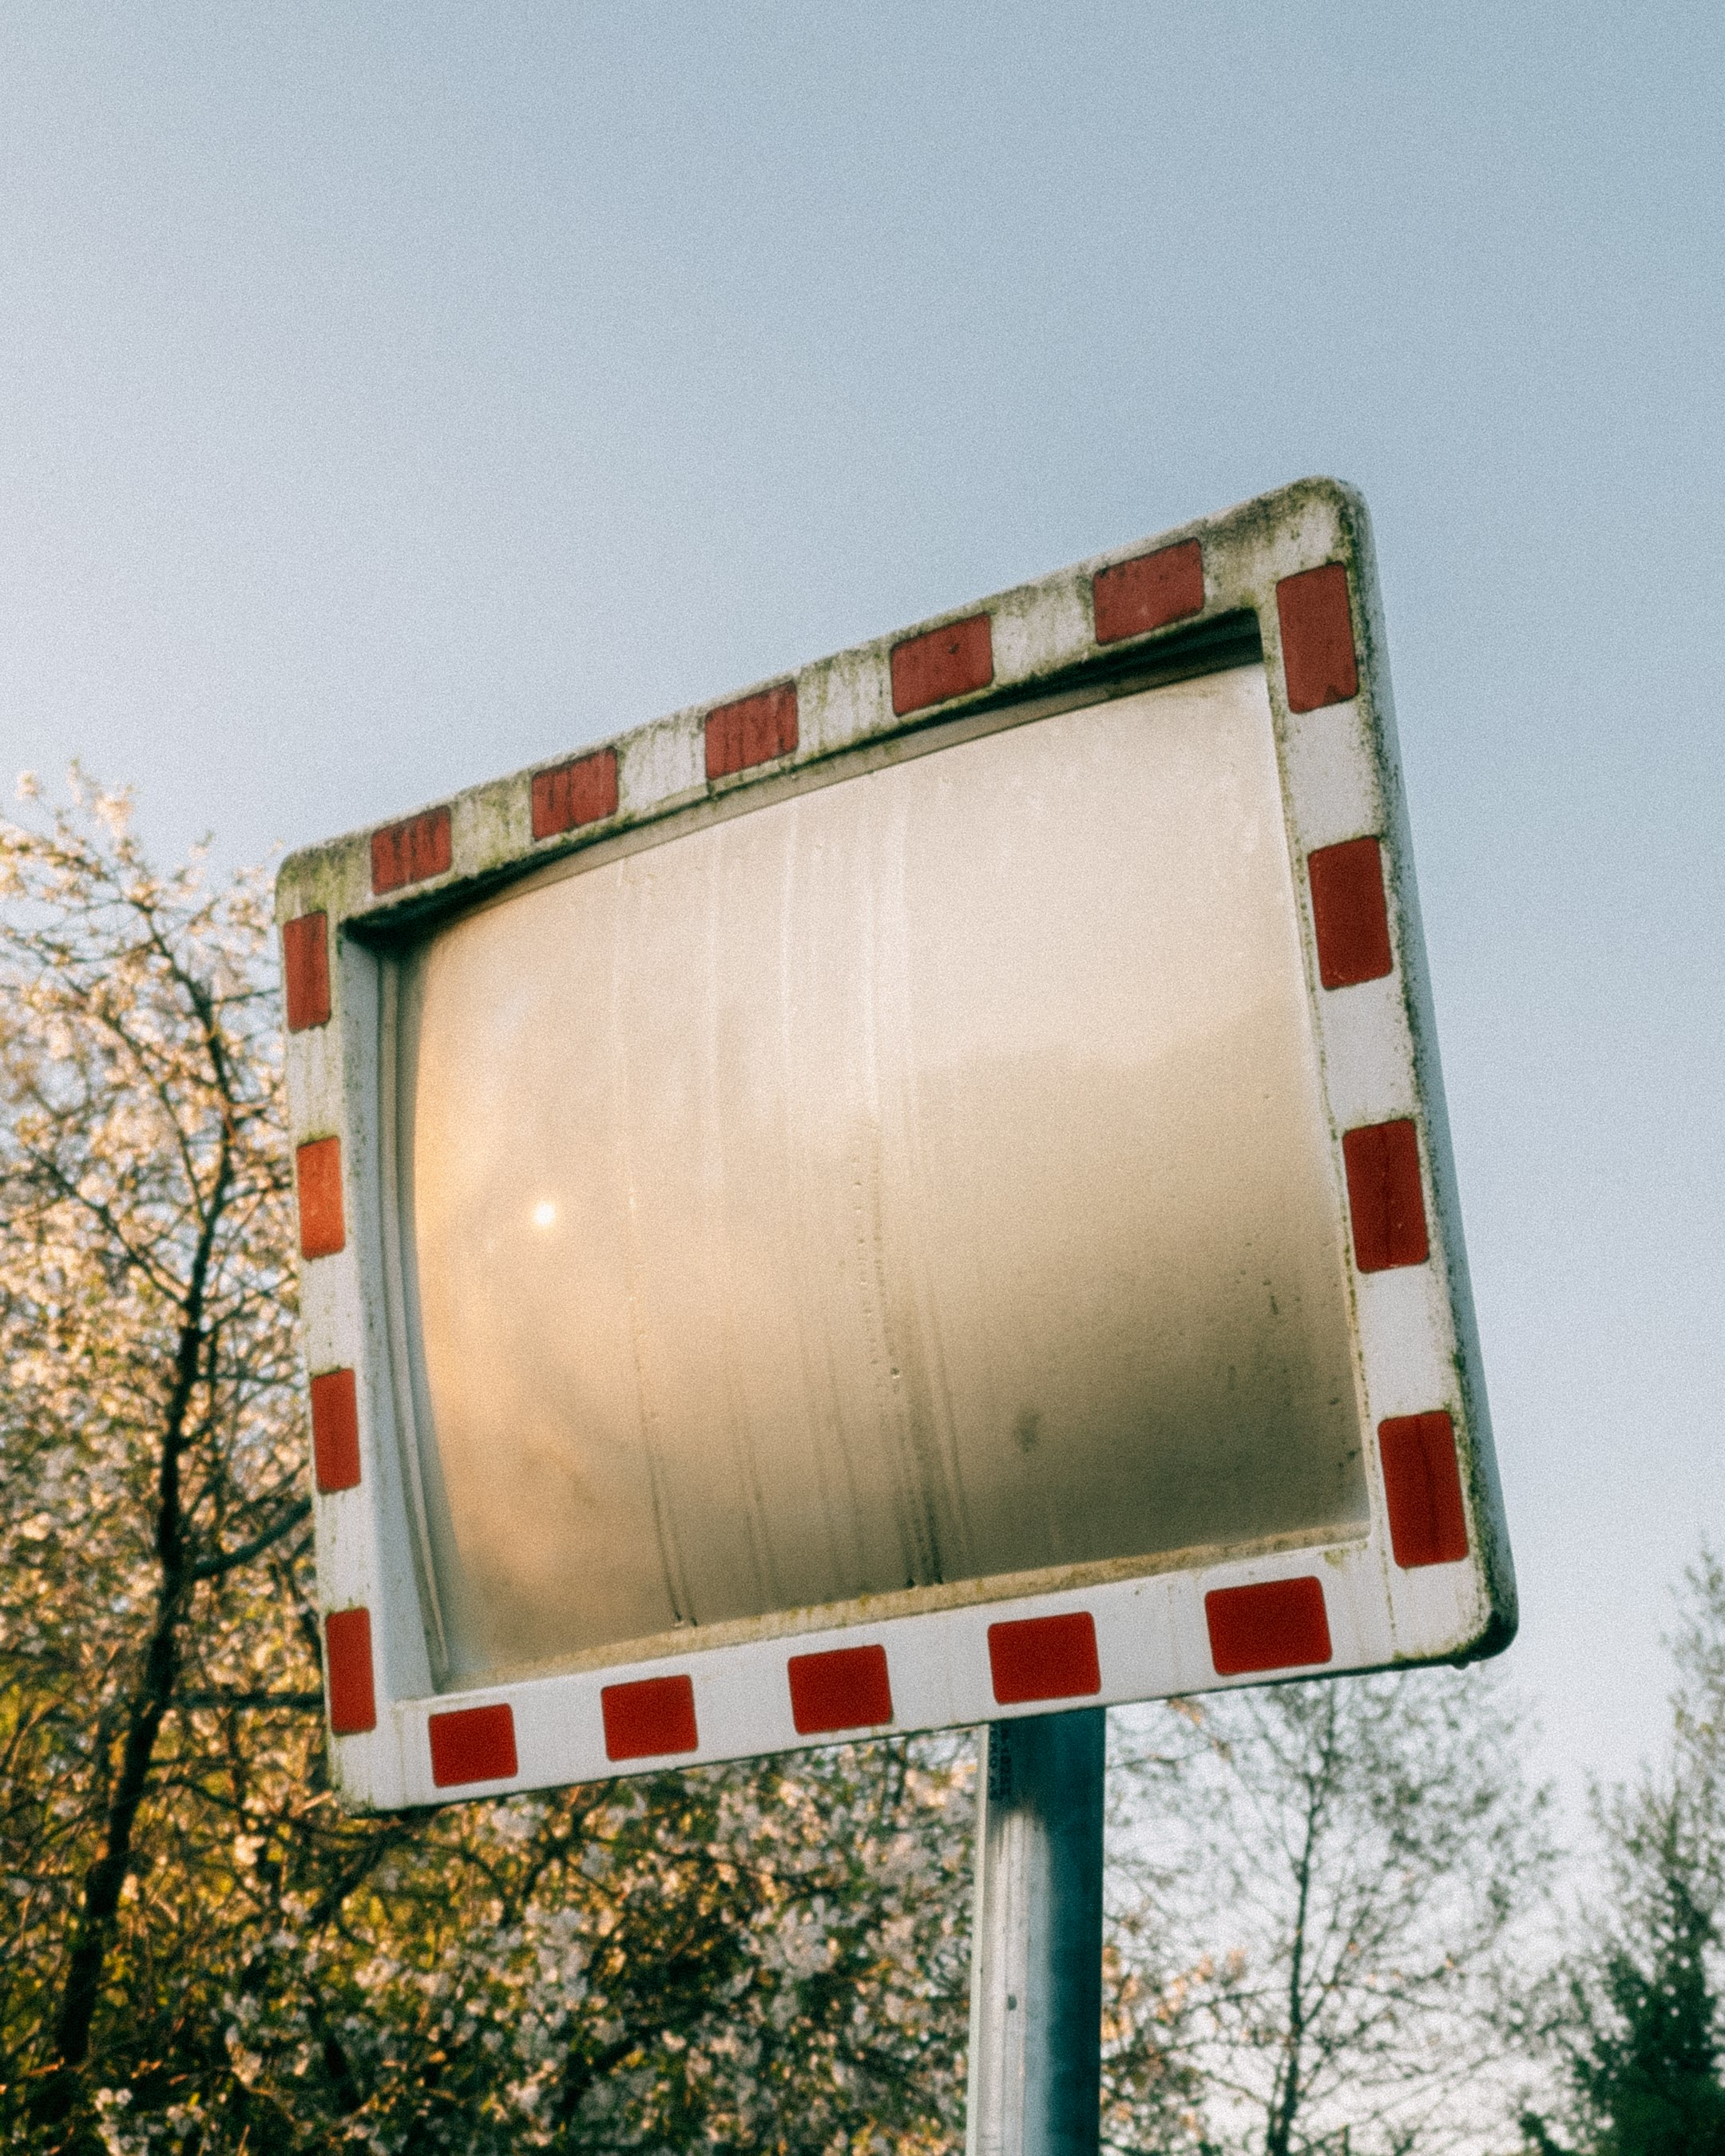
1638 2020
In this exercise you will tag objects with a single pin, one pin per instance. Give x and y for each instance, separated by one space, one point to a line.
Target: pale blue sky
392 395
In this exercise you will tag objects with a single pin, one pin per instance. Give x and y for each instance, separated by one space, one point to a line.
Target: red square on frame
756 730
1148 592
347 1656
652 1717
305 971
1422 1489
581 791
1385 1200
473 1744
847 1688
1317 656
1278 1625
1348 914
323 1230
410 851
942 663
335 1431
1045 1658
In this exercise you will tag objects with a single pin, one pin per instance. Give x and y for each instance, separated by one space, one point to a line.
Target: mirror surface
917 1180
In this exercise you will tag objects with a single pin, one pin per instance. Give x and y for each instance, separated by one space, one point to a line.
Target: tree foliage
201 1952
1646 2066
1344 1872
1639 2019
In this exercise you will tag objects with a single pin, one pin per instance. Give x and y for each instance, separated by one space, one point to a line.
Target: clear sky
391 395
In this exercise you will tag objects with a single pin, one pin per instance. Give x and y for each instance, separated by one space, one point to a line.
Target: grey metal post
1036 1949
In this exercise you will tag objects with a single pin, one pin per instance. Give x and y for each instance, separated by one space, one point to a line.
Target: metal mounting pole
1036 1951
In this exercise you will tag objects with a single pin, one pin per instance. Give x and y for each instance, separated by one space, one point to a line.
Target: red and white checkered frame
1290 573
